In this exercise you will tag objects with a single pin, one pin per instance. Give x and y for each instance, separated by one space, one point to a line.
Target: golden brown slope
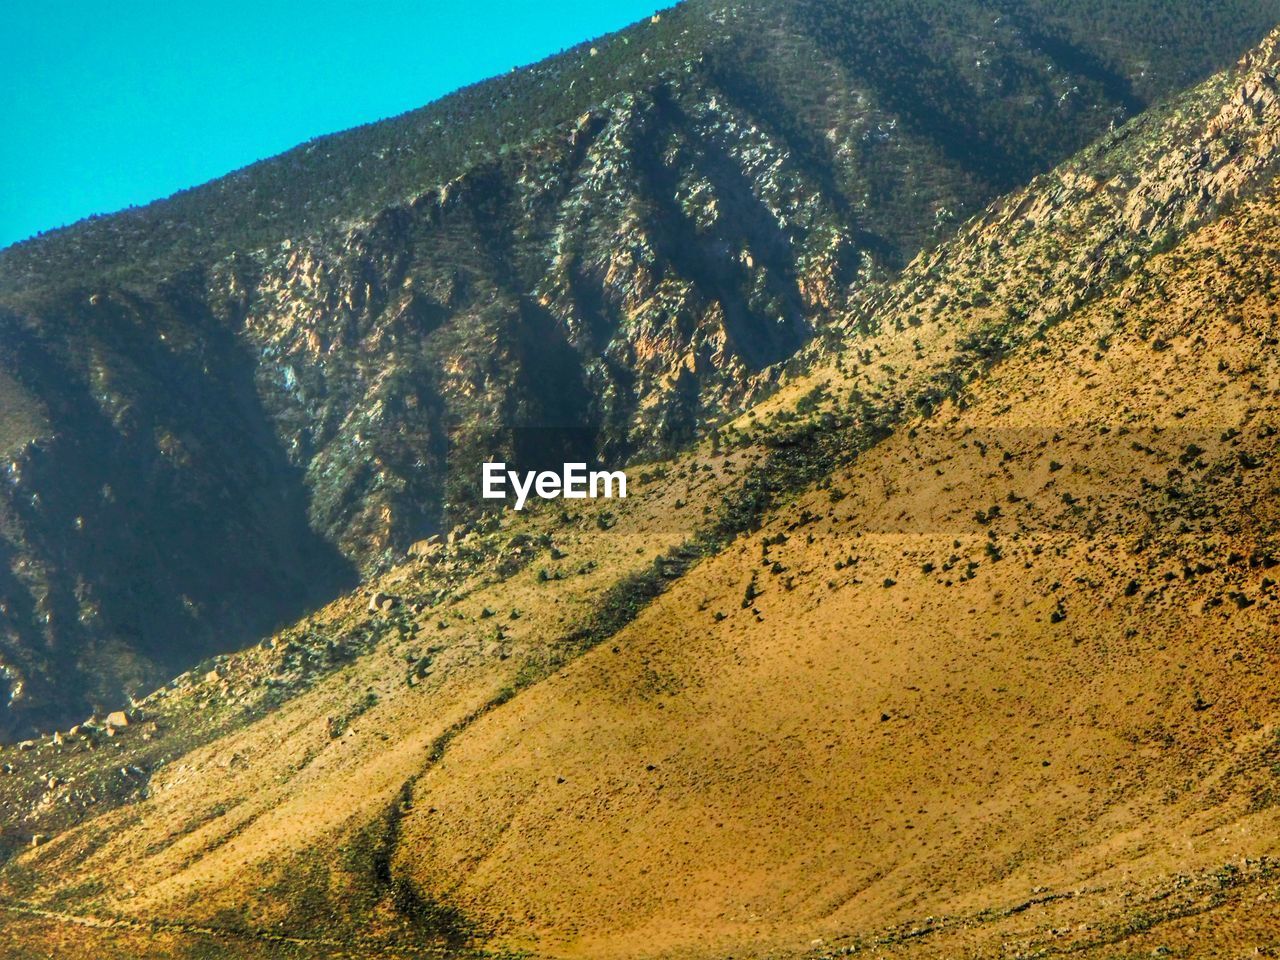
260 820
1075 696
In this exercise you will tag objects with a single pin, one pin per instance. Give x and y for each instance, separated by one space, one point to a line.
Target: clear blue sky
107 103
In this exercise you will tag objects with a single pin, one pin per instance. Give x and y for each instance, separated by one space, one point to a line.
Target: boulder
382 603
426 548
117 719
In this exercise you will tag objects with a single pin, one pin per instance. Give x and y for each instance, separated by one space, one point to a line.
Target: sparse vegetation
764 673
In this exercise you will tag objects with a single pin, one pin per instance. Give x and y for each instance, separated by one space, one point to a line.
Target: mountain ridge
667 31
992 603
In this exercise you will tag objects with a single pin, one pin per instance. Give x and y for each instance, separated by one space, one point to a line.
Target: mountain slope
971 69
1018 647
957 645
230 404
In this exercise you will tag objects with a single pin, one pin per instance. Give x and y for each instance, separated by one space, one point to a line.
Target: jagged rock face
608 291
201 445
624 282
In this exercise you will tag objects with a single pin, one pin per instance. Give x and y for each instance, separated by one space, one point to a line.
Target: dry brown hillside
961 645
1022 650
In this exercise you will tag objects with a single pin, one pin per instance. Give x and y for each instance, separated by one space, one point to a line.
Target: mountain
959 643
224 408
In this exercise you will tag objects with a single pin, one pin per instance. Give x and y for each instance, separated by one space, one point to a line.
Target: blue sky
107 104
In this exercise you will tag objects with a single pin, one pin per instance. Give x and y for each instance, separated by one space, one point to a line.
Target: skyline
117 113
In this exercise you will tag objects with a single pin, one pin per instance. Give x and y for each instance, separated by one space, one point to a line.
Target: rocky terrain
222 410
959 642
